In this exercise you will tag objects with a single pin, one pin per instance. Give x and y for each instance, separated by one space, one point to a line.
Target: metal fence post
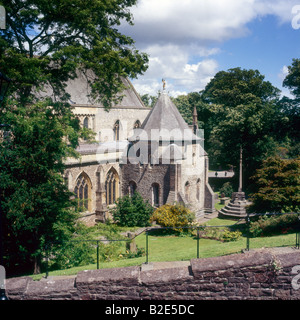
47 261
97 254
248 233
147 251
198 235
298 234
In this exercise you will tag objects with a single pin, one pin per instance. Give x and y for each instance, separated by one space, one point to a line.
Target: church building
151 151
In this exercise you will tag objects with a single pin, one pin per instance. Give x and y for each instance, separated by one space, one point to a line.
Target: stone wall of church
103 122
73 173
193 176
97 175
145 176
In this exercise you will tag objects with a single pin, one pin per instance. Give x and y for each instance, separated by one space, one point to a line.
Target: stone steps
235 209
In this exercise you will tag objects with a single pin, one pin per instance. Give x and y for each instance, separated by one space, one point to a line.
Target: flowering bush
176 216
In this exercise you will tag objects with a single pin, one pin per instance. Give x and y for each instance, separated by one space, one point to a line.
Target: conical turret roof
165 119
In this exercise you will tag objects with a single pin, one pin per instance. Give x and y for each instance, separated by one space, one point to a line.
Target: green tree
47 42
36 206
290 108
277 186
246 116
207 113
292 80
132 211
226 189
149 101
239 87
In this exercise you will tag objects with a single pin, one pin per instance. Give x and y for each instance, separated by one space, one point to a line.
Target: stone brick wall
263 274
144 176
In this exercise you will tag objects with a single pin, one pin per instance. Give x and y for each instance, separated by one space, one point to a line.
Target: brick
253 282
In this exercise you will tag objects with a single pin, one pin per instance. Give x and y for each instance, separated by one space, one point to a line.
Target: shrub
176 216
268 225
219 234
226 189
132 211
140 252
231 235
210 233
277 187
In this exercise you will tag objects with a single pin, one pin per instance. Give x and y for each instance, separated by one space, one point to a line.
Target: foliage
175 216
206 113
238 108
221 234
132 211
47 42
247 118
231 235
35 200
291 81
238 86
149 101
209 233
227 189
278 186
76 252
82 248
269 225
290 108
140 252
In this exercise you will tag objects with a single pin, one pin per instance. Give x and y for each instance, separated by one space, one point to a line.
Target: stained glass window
82 192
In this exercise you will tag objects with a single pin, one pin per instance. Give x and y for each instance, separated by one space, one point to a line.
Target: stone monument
236 208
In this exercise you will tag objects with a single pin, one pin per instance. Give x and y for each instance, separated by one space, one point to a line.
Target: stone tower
165 160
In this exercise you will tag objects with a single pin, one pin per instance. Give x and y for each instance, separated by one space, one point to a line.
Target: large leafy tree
239 87
291 108
246 116
45 44
35 202
292 80
206 112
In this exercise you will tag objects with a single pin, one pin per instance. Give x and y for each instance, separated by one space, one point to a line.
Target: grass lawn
173 248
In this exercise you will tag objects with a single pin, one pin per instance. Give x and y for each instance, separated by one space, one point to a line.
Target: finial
164 83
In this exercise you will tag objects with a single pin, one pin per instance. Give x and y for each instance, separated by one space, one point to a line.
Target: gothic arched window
82 192
198 189
132 188
112 186
86 122
187 191
137 124
117 131
155 194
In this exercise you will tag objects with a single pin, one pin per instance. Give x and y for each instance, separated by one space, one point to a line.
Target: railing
248 234
96 243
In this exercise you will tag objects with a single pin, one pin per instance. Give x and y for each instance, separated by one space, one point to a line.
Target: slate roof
166 119
79 91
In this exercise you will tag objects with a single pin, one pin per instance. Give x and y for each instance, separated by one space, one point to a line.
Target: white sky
188 41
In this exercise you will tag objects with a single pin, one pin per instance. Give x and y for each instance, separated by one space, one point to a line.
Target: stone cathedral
151 151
